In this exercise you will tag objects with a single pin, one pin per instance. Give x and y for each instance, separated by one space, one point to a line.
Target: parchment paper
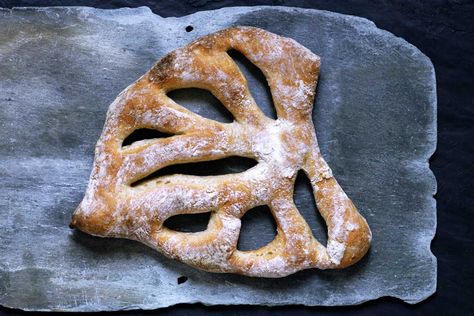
60 68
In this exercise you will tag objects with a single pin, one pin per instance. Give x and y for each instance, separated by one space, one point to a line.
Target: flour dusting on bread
119 203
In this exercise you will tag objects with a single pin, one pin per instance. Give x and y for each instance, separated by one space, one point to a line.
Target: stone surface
375 117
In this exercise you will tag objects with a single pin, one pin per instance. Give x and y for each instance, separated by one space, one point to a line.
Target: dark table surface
444 31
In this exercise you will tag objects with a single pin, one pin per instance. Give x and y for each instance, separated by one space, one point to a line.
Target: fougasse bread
114 207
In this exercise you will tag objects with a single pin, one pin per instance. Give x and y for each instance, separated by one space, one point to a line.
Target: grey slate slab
60 68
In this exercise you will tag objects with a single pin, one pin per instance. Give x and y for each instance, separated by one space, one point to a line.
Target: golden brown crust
113 208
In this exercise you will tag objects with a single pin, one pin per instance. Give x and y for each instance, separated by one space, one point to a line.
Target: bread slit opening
188 223
257 83
229 165
306 205
143 134
257 230
201 102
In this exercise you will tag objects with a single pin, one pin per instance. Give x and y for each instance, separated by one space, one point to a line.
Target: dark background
443 30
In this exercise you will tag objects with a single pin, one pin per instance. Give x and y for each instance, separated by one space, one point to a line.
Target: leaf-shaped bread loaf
112 207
